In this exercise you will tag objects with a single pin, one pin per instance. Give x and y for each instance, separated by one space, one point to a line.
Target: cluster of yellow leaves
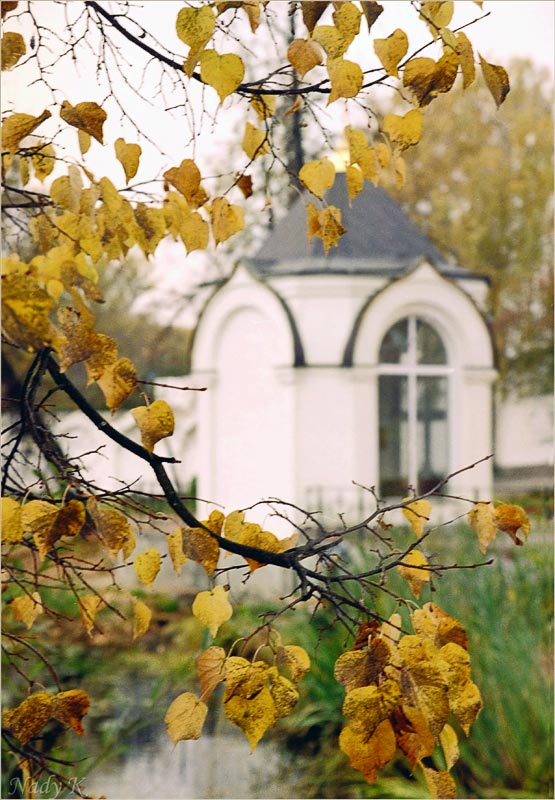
256 694
487 519
29 718
44 521
401 690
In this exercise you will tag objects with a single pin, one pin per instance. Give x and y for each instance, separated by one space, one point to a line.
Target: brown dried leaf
497 81
88 117
70 707
211 670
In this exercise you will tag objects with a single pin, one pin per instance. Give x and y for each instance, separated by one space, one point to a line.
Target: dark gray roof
380 238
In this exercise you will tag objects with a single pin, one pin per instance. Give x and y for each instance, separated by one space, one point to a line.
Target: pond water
218 766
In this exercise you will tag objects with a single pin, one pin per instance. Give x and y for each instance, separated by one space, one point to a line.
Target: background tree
406 676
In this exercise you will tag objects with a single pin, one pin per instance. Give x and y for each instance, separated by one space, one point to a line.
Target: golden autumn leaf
254 715
404 131
27 608
326 224
13 48
369 754
151 227
89 606
66 190
424 684
355 181
371 10
147 566
414 737
186 179
497 81
346 79
70 707
312 12
12 523
356 142
296 659
252 535
128 155
283 693
87 116
465 700
29 717
84 140
328 37
392 50
199 546
417 513
346 18
195 27
432 623
223 72
440 783
112 527
142 616
436 15
212 608
367 706
175 549
43 160
105 355
318 176
17 126
185 717
411 571
304 55
426 78
511 519
227 219
465 53
450 746
155 422
264 105
48 523
482 520
255 141
194 232
25 313
210 670
117 382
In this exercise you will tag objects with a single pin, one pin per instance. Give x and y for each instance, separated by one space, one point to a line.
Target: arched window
413 408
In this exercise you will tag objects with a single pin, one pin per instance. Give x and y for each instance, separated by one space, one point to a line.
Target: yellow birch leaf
264 105
210 670
400 172
424 684
155 422
17 126
254 716
328 37
186 179
346 79
223 72
185 717
89 606
227 219
410 572
436 14
331 229
426 79
466 704
195 27
147 566
117 382
194 232
440 783
70 707
346 19
29 717
404 131
357 143
84 140
369 754
151 227
367 706
25 310
80 339
372 11
482 520
68 521
87 116
142 615
318 176
414 737
357 668
13 48
510 519
466 58
304 55
43 160
212 608
312 221
199 546
355 181
392 50
369 164
112 527
106 354
434 624
296 659
284 694
175 549
417 513
450 746
12 524
27 608
312 12
255 141
129 544
128 156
